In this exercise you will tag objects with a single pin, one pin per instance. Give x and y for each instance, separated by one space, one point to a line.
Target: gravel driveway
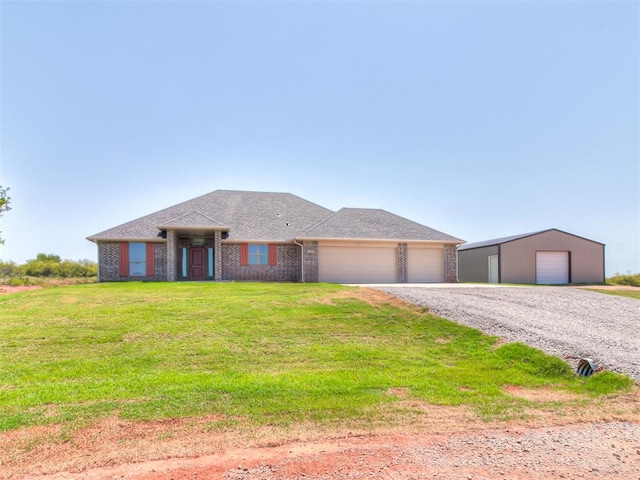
568 322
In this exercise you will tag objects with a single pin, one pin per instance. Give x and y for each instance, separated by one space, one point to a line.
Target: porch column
217 255
172 264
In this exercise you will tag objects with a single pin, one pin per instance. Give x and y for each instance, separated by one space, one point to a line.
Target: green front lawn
264 353
622 293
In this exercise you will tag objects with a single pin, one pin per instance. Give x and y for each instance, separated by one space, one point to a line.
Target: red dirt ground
602 442
21 288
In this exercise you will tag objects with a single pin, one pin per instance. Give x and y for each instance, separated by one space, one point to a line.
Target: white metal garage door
425 265
357 264
552 267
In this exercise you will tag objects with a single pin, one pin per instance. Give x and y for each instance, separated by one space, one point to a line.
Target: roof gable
192 219
366 223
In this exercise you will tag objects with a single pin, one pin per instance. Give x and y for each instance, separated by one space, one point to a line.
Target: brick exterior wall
450 264
227 262
310 260
108 263
172 256
403 256
286 269
217 255
161 262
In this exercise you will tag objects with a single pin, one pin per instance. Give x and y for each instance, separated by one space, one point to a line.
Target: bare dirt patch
540 394
424 441
4 289
373 297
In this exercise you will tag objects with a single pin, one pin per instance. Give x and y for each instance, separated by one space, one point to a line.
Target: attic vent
278 215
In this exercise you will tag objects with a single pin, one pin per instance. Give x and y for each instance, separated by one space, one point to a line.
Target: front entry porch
194 256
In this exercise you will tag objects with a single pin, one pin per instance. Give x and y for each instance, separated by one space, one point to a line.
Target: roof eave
193 227
260 240
126 239
399 240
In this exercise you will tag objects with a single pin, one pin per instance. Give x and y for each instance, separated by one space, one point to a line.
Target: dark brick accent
450 264
217 256
403 255
172 256
285 270
310 260
161 261
108 254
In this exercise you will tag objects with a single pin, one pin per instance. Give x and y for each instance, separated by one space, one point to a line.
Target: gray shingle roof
249 215
275 217
365 223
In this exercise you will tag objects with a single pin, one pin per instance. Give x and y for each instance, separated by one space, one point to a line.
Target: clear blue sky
480 119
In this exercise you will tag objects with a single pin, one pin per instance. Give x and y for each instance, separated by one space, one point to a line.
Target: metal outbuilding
545 257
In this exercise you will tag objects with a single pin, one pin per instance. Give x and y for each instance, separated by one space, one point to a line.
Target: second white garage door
425 265
552 268
357 264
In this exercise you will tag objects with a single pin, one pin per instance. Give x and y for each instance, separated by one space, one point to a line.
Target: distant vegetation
46 268
632 279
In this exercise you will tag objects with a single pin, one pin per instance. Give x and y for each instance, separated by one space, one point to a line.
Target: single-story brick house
544 257
235 235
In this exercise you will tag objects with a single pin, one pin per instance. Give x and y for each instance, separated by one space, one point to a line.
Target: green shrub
39 268
51 266
632 279
10 269
19 281
48 257
46 266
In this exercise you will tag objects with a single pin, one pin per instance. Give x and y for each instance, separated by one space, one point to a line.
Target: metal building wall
518 257
473 264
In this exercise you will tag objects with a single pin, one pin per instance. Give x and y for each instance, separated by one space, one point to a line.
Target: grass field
622 293
267 354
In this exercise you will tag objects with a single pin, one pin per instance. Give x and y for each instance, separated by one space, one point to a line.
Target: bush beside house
46 266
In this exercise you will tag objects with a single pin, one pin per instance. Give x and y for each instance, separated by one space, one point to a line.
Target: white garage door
357 264
425 265
552 267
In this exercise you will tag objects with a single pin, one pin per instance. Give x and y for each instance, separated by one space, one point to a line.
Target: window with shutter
257 254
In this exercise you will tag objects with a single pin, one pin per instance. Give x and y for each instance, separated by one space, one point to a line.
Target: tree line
49 265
